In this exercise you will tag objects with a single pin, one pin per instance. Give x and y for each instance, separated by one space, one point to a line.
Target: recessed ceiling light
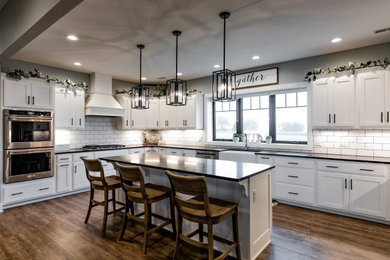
72 37
216 66
143 78
179 74
336 40
77 63
256 57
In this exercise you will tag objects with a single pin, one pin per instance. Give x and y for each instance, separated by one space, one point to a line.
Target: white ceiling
276 30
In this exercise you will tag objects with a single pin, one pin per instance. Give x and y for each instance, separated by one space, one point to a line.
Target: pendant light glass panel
140 94
224 81
176 88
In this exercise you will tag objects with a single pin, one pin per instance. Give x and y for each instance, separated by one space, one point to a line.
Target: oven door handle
29 151
31 119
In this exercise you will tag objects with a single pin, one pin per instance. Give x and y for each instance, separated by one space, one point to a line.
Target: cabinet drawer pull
381 117
71 121
332 167
64 165
17 193
293 193
351 184
127 122
33 100
387 117
64 159
105 165
330 118
132 122
293 163
75 169
136 152
265 158
79 121
345 183
173 152
366 170
334 118
42 189
293 176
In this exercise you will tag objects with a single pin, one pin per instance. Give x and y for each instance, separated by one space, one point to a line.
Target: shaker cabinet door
321 105
42 95
16 93
333 190
344 102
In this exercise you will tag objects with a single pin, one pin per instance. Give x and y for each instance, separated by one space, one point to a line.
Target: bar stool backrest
94 165
189 185
129 175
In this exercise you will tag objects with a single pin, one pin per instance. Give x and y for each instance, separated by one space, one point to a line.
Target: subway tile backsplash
352 142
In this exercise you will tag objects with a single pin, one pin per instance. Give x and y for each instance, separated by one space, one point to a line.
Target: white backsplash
98 130
183 137
352 142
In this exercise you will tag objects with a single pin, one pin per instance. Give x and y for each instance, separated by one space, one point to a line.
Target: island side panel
260 212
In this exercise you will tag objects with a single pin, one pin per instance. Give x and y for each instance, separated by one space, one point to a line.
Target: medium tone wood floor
55 229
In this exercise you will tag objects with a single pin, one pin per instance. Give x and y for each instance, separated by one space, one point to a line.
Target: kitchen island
247 184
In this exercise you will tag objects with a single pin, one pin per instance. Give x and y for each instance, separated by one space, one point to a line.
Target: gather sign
257 78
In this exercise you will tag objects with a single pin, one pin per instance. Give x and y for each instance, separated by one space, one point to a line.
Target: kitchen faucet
246 141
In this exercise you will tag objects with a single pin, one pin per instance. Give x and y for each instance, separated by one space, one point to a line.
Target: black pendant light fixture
140 94
176 88
224 81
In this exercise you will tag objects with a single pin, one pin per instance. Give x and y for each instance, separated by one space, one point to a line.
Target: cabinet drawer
137 150
294 176
26 191
76 156
294 162
264 159
64 158
177 152
354 168
294 193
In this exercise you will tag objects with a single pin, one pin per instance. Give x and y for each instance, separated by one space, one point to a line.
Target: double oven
28 145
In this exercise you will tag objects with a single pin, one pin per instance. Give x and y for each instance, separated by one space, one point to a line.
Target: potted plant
268 139
236 137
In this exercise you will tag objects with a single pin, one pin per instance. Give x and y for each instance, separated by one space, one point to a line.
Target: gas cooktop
103 146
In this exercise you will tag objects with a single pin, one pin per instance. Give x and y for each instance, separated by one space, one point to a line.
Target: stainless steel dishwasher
207 154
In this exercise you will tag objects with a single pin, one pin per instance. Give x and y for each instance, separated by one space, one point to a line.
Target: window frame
272 115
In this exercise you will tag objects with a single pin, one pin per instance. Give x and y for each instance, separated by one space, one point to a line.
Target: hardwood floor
55 229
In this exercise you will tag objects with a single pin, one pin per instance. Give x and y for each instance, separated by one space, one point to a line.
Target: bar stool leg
236 234
179 232
173 217
210 239
113 201
91 196
105 211
146 226
200 228
124 221
132 208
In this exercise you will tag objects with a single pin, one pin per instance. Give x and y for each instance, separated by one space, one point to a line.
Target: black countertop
220 169
368 159
199 148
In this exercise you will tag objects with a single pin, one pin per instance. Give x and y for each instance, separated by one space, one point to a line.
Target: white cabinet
374 101
138 118
167 116
69 108
189 153
353 187
334 102
64 177
152 115
24 191
174 151
80 180
239 156
190 116
124 122
28 93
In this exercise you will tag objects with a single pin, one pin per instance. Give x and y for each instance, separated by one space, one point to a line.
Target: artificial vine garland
155 91
312 75
18 74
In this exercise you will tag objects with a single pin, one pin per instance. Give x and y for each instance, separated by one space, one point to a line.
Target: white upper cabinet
124 122
138 119
28 93
190 116
334 102
374 102
152 115
168 115
69 108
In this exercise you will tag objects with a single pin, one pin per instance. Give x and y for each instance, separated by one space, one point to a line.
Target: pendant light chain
177 51
224 42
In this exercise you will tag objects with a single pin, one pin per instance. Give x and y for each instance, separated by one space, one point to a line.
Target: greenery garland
155 91
312 75
18 74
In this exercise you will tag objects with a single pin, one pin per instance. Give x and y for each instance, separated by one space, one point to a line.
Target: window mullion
272 117
239 116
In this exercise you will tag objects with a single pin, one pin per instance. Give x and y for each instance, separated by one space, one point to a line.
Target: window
225 116
281 115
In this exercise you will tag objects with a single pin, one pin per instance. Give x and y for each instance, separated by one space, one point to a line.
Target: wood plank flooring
55 229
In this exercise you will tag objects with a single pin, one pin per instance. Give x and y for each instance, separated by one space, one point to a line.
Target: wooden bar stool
100 182
202 209
138 191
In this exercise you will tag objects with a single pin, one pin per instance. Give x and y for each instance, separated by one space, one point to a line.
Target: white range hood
100 101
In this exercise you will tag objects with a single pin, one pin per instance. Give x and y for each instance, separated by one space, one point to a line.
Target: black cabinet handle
332 167
292 176
42 189
330 118
17 193
64 165
293 163
366 170
334 118
381 117
292 193
79 121
345 183
387 116
63 159
351 184
127 122
75 169
71 121
132 122
33 100
266 158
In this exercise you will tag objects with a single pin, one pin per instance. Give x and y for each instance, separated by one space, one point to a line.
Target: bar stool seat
219 210
154 193
113 182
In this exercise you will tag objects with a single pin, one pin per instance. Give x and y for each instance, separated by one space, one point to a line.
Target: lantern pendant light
224 81
176 88
140 93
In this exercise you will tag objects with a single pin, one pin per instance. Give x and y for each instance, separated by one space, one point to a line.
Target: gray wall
295 71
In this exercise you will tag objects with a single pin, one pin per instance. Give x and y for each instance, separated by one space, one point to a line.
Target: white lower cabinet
333 190
189 153
80 180
18 192
174 151
64 177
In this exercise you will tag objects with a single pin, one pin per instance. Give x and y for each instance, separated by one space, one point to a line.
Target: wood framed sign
257 78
